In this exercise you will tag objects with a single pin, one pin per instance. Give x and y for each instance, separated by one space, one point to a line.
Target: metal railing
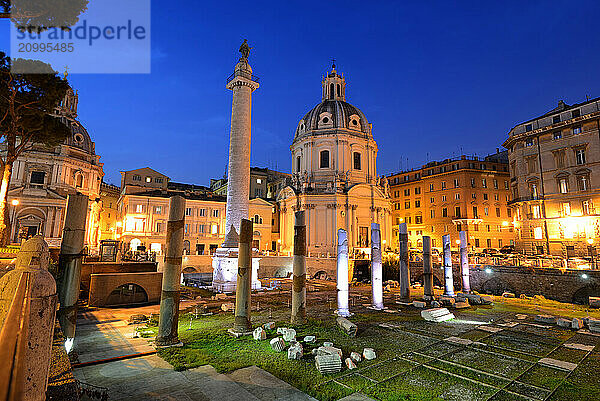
13 341
244 74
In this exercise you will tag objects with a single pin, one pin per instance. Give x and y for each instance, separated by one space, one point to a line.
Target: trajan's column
242 83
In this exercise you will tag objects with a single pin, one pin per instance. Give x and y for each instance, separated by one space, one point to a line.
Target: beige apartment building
463 194
555 180
109 214
144 203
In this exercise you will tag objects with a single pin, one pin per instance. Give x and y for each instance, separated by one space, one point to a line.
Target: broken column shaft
403 261
464 262
242 322
169 301
342 274
427 269
448 279
376 267
69 263
299 271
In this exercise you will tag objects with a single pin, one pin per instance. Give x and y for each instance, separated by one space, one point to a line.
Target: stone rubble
419 304
310 339
228 306
269 326
576 323
328 363
277 344
369 353
347 326
593 325
508 295
259 334
461 305
436 315
355 356
549 319
295 351
327 344
350 364
562 322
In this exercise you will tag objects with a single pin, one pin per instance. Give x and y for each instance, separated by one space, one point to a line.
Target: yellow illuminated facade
555 180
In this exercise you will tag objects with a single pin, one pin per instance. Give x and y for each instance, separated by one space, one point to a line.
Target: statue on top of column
245 49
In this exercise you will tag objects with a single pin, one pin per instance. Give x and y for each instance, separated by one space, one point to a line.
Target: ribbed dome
331 115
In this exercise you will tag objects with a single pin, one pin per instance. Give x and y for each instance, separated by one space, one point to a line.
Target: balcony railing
525 199
244 74
13 342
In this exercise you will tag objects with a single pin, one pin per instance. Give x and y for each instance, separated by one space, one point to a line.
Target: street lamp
14 203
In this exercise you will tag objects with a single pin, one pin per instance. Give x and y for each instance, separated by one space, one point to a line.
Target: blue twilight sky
436 79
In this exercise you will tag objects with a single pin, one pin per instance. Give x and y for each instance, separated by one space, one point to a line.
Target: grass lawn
413 362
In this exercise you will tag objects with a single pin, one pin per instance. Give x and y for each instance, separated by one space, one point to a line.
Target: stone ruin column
376 267
448 279
403 261
168 321
242 322
299 271
33 260
427 268
464 262
342 273
69 264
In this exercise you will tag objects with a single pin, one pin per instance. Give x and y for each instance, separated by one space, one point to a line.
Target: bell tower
334 85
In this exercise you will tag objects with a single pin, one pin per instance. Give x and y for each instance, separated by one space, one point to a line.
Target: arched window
324 159
297 164
357 165
257 219
339 90
79 181
331 91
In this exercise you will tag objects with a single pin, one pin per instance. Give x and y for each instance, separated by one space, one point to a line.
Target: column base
225 269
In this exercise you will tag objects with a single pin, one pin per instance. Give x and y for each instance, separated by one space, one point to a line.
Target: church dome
333 113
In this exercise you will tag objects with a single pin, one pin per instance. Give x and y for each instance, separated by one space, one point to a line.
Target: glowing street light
505 223
15 202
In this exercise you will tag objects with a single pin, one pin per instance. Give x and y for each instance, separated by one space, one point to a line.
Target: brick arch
137 297
581 296
436 280
496 286
190 269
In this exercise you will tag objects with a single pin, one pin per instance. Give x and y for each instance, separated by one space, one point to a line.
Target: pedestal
225 270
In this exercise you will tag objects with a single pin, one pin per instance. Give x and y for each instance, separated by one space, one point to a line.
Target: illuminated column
448 279
464 262
169 301
244 280
342 273
69 264
299 271
404 269
376 267
238 173
427 270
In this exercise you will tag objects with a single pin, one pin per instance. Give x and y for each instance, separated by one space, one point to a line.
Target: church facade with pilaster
44 176
335 181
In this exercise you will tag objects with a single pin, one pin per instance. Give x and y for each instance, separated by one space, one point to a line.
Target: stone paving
487 361
102 335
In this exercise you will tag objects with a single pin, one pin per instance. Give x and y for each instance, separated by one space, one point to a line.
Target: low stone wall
270 266
89 268
102 285
560 285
